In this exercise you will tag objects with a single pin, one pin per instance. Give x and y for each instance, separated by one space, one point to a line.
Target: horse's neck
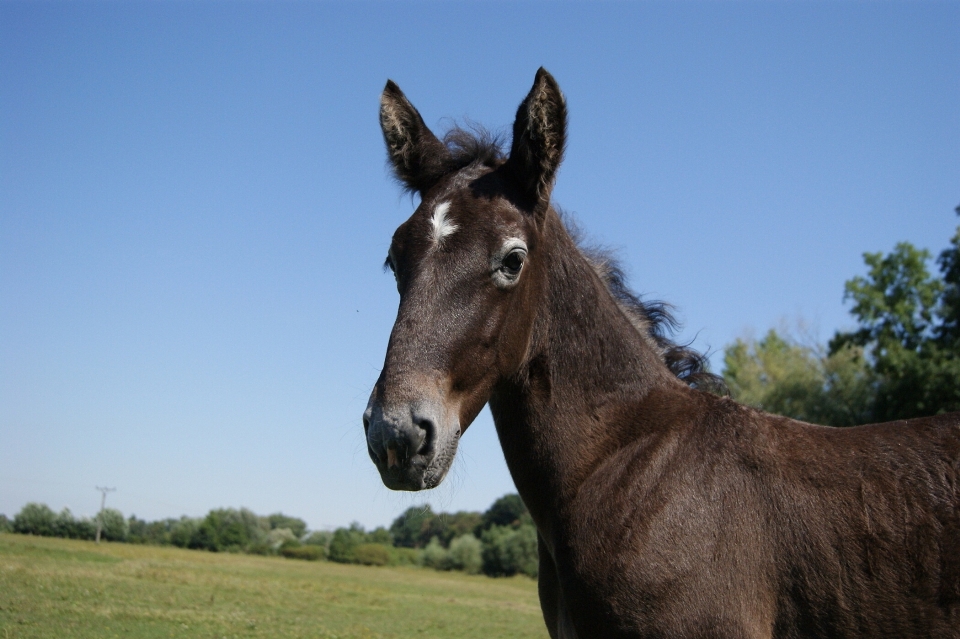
585 360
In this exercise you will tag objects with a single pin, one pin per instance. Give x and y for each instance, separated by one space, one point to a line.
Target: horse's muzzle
403 442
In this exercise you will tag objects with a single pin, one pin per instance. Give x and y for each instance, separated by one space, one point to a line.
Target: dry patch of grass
64 588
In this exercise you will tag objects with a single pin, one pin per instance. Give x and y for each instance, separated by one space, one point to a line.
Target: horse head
467 270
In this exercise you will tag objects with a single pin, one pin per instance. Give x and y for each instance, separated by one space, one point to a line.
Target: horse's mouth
417 473
411 453
398 473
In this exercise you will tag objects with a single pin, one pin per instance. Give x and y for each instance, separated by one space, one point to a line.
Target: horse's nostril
429 434
366 425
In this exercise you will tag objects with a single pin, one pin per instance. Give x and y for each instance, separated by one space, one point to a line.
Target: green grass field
63 588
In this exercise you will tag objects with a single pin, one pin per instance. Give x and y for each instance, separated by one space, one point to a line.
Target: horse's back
775 527
866 522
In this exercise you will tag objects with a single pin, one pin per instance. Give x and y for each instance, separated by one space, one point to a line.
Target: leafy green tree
948 332
67 526
782 376
319 538
406 528
909 330
230 529
509 510
5 524
35 519
466 554
775 374
281 537
344 541
458 524
183 532
436 556
902 361
508 551
417 526
296 525
849 391
63 525
115 527
153 532
380 535
895 303
371 554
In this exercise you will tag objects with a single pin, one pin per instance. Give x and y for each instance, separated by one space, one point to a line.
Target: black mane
465 146
653 318
473 144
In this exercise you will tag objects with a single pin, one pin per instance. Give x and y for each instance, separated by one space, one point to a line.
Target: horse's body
662 510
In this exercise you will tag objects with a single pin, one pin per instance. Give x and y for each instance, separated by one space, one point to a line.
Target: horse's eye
513 262
507 263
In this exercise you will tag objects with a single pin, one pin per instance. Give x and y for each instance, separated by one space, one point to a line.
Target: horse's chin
421 474
412 481
402 481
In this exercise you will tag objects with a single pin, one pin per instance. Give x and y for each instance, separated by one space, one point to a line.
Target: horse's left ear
539 136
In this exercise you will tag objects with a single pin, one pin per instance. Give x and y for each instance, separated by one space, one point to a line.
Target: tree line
501 541
901 361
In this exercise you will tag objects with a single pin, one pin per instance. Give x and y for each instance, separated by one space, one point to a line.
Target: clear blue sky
194 210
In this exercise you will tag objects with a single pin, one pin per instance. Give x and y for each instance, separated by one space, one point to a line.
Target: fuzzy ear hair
415 153
539 137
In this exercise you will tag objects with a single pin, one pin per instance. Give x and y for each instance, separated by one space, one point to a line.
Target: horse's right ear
415 153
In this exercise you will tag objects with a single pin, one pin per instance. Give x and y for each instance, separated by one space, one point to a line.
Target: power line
103 502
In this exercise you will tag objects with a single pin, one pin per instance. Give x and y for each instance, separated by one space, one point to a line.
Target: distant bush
229 529
183 531
35 519
371 554
309 553
318 538
296 525
466 554
509 510
5 524
280 537
65 525
354 545
436 556
115 527
404 556
344 541
508 551
380 535
416 527
153 532
419 524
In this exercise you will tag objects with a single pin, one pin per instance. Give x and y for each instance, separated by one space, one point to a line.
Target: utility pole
103 502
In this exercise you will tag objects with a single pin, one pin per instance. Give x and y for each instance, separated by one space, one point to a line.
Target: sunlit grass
64 588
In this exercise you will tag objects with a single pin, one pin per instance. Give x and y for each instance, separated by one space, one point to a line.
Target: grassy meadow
52 587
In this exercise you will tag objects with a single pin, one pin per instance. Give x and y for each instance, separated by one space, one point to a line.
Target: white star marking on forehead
442 225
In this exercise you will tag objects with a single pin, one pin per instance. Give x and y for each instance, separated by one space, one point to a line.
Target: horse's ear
415 153
539 135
